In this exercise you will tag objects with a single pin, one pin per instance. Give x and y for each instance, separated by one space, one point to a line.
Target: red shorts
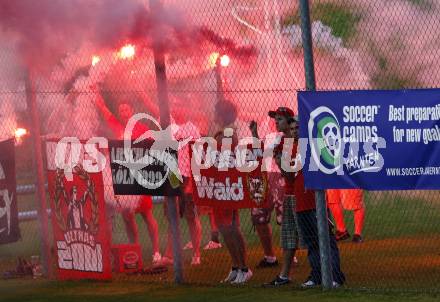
145 204
351 199
226 217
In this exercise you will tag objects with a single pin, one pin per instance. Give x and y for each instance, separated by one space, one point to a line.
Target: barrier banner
9 228
81 231
143 169
374 140
228 179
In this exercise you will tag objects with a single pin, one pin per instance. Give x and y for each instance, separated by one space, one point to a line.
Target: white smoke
324 40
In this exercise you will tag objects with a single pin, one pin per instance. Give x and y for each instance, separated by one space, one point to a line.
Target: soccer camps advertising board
9 228
375 140
220 178
81 234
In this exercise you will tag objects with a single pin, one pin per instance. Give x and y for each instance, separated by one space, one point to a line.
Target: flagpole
156 8
321 205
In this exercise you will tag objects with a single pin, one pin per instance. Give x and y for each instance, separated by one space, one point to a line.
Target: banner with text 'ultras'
375 140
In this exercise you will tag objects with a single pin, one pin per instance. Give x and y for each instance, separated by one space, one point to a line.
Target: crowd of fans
293 203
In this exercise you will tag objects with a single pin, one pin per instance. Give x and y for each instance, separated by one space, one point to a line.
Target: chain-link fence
92 65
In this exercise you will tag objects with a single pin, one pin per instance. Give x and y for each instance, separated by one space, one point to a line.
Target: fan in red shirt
144 203
305 199
306 218
289 223
228 219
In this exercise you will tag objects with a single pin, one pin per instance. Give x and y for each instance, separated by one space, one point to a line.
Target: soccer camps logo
325 139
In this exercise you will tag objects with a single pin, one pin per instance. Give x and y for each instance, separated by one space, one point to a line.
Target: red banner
226 182
82 238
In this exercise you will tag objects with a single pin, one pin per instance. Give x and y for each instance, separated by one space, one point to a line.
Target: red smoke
49 29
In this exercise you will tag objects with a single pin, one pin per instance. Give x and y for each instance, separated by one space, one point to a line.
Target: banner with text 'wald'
226 180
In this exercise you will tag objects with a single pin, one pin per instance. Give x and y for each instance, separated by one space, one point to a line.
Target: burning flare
214 57
127 51
225 60
95 60
20 132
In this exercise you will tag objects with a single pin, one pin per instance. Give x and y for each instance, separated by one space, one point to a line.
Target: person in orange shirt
351 200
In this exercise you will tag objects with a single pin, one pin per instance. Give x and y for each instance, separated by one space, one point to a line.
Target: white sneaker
157 258
242 277
247 276
212 245
336 284
309 284
195 261
188 246
231 276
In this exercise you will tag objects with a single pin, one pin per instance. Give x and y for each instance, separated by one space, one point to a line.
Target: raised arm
102 107
88 190
84 198
59 184
253 126
116 127
219 81
152 108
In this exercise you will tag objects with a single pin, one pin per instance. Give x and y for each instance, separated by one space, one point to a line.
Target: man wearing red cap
289 225
303 204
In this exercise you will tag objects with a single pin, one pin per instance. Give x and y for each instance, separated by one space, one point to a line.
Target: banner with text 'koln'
375 140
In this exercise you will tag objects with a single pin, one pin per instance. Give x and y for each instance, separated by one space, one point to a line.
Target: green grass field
140 291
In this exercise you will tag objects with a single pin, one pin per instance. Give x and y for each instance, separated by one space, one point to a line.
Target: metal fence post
321 206
40 194
164 110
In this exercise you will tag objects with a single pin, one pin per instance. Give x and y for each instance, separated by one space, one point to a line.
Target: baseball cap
283 111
